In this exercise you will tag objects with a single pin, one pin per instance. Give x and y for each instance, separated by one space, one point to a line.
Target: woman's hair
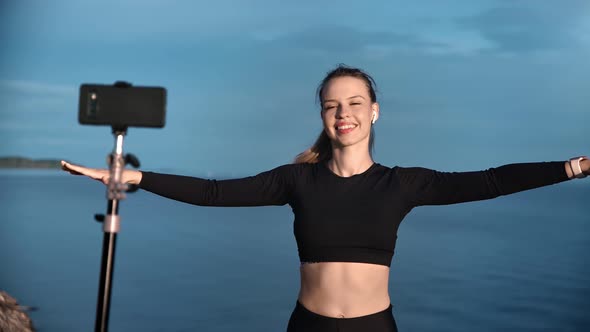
321 150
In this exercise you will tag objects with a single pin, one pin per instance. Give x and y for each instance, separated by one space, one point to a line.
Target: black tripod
111 224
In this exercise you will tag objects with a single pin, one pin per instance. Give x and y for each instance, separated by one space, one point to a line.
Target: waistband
301 307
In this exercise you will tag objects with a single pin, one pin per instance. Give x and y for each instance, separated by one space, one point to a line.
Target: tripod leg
106 277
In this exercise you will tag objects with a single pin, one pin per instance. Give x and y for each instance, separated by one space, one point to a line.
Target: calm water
516 263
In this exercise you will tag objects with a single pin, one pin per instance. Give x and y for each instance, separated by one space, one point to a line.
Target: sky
462 85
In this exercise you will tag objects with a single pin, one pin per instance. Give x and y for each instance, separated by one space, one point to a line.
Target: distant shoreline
27 163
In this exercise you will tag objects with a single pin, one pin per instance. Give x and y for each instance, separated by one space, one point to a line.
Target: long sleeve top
353 219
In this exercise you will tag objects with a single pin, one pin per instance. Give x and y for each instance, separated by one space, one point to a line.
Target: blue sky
463 85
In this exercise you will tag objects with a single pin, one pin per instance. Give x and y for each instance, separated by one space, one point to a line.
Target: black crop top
353 219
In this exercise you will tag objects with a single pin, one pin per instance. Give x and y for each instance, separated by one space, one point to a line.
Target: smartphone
122 105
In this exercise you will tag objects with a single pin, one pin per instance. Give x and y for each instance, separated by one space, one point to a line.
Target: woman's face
347 111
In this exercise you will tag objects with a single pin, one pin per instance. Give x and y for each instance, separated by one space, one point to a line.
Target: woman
347 207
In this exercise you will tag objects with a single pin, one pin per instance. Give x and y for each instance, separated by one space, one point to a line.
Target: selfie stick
111 224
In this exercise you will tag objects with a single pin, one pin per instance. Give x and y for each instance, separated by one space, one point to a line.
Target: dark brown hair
321 150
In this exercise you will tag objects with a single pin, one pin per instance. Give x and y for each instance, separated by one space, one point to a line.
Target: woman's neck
347 163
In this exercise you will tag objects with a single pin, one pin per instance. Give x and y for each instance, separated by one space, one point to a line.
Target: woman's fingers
69 168
96 174
74 169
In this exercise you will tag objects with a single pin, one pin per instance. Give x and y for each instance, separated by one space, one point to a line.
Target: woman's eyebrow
334 100
355 97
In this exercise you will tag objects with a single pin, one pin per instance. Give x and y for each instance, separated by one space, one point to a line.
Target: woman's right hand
102 175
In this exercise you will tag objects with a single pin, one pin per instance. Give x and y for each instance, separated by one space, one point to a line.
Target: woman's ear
375 114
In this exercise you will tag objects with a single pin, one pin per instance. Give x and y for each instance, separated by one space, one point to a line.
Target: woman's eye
355 103
328 107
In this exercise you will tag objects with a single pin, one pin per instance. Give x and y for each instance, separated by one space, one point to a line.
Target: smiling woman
321 151
347 207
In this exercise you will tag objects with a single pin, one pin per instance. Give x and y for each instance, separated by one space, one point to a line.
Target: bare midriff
343 289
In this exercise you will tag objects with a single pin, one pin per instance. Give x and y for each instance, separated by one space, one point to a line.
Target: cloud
138 21
36 88
21 98
522 28
332 39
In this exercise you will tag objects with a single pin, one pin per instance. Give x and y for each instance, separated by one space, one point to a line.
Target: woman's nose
342 111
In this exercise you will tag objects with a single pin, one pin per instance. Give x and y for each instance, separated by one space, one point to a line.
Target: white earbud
374 117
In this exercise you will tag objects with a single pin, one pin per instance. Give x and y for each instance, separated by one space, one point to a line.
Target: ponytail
320 151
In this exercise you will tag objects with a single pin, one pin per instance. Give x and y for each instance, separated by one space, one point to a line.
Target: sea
515 263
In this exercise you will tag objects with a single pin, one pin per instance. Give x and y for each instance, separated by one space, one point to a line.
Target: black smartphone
122 105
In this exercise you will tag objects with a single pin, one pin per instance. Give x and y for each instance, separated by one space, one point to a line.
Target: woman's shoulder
295 166
294 169
396 168
404 173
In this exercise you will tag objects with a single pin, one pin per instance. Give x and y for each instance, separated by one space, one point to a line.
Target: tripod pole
111 225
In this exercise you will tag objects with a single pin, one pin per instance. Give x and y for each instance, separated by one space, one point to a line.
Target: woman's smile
345 127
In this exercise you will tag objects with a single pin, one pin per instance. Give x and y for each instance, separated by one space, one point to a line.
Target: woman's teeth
345 127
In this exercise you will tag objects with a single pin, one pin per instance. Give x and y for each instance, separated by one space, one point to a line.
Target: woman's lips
345 128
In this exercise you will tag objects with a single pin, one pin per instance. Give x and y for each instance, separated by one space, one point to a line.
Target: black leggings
303 319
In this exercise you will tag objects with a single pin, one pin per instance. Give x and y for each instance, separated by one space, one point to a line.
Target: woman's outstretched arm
424 186
268 188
